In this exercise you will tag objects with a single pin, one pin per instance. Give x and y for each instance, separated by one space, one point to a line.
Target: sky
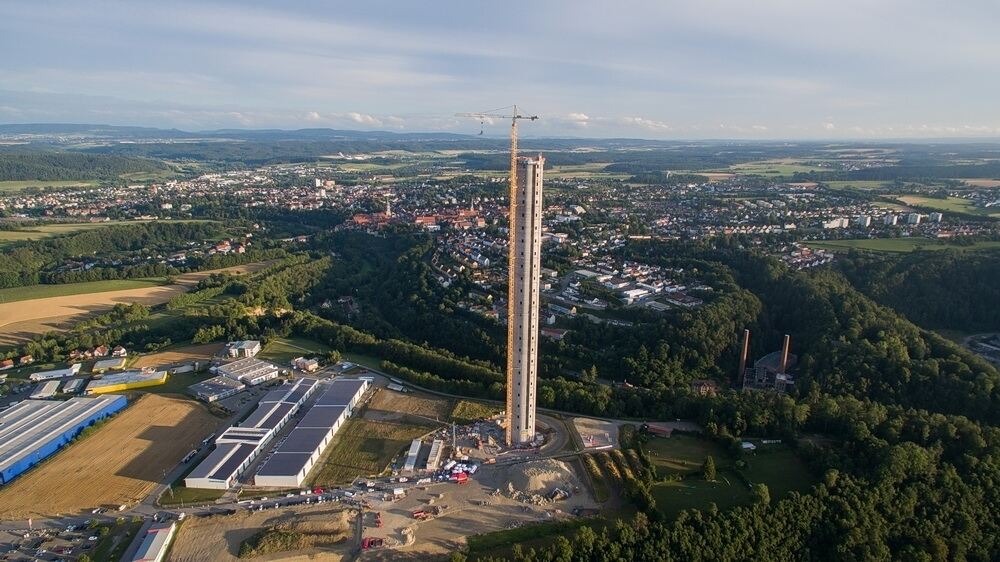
666 69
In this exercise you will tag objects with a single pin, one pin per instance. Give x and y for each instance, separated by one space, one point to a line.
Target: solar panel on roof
284 464
322 416
303 440
227 469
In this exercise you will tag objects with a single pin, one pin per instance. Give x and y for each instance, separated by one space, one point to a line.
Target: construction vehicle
371 542
421 514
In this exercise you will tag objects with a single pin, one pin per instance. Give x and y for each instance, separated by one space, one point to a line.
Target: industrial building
155 542
70 371
113 364
249 371
238 446
35 429
215 388
411 457
291 462
770 372
247 348
129 380
72 386
45 390
523 299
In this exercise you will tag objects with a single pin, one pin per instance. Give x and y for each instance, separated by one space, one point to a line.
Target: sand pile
541 477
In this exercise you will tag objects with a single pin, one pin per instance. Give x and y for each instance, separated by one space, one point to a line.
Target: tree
589 375
84 558
708 468
333 356
761 495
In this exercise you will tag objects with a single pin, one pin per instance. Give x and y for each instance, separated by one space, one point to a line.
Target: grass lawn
363 448
467 411
30 292
696 493
780 468
897 245
283 350
369 361
189 496
683 454
113 546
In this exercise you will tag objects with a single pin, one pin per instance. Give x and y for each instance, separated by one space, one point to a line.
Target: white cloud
648 124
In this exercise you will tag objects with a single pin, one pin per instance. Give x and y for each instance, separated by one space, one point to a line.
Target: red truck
371 542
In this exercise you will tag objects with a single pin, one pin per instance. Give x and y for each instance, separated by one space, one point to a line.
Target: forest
57 165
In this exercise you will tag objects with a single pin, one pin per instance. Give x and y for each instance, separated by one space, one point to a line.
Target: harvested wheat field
120 463
218 538
180 355
22 320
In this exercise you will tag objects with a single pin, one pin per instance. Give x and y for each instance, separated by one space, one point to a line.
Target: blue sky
664 69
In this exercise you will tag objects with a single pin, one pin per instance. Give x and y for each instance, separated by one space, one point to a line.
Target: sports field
120 463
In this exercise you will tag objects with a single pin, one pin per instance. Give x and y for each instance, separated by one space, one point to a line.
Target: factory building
215 389
247 348
113 364
129 380
45 390
238 446
291 462
35 429
70 371
249 371
72 386
155 543
523 300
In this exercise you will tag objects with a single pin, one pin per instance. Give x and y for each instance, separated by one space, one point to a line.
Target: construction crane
514 116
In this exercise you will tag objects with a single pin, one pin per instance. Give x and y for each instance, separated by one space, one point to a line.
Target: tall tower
524 262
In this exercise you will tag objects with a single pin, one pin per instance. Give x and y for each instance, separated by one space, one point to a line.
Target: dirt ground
120 463
388 405
20 320
180 355
218 538
596 434
467 510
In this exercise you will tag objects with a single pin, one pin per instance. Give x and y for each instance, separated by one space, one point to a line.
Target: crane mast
514 116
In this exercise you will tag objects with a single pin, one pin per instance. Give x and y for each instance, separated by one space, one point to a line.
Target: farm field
897 245
953 204
119 463
782 167
857 184
363 448
13 294
18 185
283 350
22 320
202 352
981 182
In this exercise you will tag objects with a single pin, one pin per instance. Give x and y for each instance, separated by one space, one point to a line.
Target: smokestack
784 353
744 354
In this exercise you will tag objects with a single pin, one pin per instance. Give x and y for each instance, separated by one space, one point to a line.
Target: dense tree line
32 262
52 165
939 289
